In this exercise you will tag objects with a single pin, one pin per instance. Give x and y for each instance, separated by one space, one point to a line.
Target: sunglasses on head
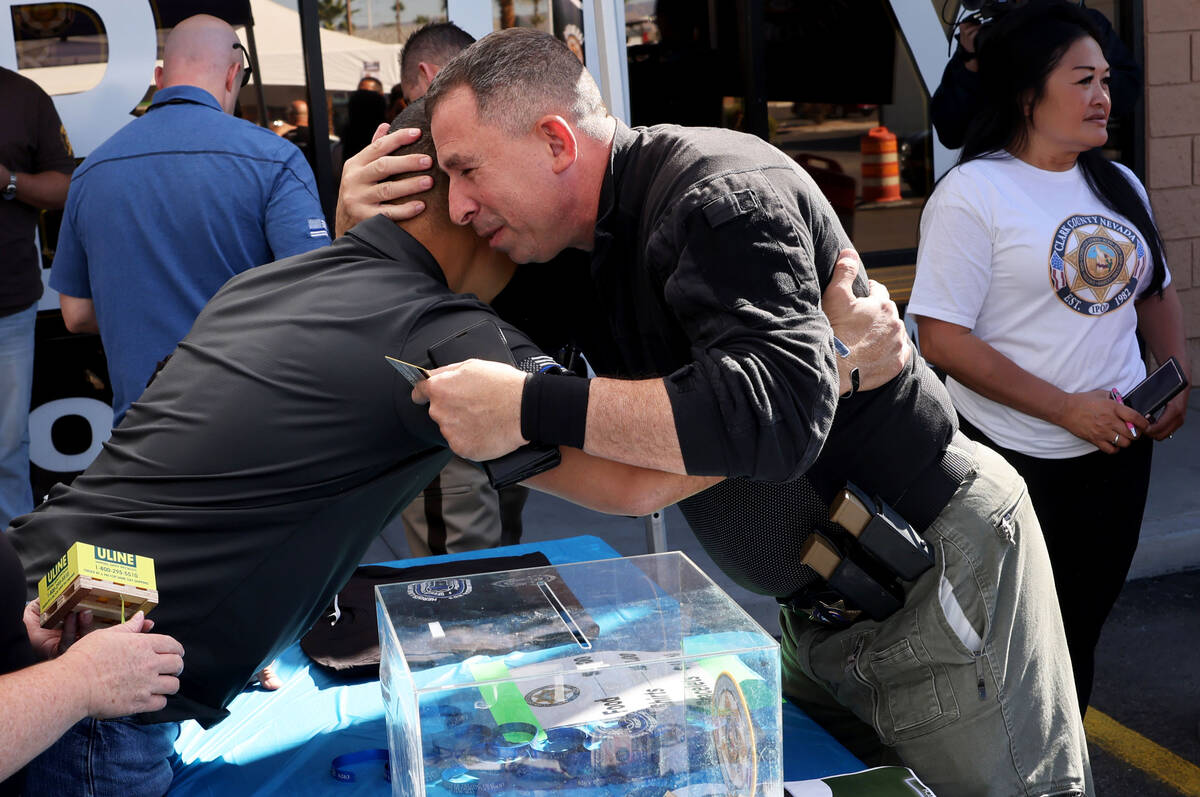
247 71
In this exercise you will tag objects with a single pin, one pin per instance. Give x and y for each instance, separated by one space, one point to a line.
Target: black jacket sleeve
955 102
758 398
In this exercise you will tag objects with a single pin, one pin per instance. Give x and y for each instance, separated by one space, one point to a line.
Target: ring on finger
1116 439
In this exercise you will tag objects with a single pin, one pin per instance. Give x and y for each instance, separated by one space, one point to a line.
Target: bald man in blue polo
175 203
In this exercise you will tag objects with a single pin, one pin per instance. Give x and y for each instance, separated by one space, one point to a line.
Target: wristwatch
843 351
10 190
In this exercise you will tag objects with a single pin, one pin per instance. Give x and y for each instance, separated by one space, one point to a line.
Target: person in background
35 168
47 684
365 112
1038 265
174 204
369 83
300 134
426 52
296 116
459 510
396 102
959 99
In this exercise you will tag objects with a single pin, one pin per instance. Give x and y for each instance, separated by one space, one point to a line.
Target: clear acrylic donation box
633 676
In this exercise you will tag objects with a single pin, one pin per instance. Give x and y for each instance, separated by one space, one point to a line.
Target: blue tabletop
283 742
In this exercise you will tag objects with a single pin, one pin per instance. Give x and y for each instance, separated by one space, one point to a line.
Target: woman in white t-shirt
1038 265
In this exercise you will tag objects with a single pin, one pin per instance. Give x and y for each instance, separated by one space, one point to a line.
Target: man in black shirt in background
689 265
35 171
459 510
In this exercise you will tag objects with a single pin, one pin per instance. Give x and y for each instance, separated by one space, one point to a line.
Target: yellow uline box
114 585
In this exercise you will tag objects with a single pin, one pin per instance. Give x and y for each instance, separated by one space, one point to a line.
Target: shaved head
297 113
202 51
199 46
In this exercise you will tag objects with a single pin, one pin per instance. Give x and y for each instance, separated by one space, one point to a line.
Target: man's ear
426 72
559 137
158 77
231 75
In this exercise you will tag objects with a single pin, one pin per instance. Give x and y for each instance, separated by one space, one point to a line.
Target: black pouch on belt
882 533
877 597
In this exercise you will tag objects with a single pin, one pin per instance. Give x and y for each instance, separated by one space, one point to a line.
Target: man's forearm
79 315
632 422
614 487
46 190
478 405
40 703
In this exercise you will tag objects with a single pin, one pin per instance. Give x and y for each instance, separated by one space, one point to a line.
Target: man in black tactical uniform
688 265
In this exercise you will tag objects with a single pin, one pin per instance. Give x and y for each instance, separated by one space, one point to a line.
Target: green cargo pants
969 683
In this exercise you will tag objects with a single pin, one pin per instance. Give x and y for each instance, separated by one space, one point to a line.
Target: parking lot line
1138 751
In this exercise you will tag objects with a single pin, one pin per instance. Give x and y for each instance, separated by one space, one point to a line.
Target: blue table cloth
284 742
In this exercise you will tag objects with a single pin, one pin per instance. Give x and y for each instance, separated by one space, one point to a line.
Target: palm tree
330 12
508 14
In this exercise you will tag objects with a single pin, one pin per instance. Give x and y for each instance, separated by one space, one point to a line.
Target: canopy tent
346 58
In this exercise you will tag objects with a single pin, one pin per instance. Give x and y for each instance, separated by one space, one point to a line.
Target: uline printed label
94 561
116 557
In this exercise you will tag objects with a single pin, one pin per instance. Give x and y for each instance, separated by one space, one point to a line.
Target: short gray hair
517 76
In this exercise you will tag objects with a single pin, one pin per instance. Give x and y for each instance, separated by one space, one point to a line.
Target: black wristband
554 410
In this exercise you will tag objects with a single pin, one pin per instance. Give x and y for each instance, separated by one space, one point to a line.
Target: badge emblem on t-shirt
1096 264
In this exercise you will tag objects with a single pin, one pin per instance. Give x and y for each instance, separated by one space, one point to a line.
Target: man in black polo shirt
35 171
266 456
689 264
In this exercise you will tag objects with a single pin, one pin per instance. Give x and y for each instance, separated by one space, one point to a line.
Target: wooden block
104 598
97 578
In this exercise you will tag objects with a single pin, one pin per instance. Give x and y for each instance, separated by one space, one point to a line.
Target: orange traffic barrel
881 166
